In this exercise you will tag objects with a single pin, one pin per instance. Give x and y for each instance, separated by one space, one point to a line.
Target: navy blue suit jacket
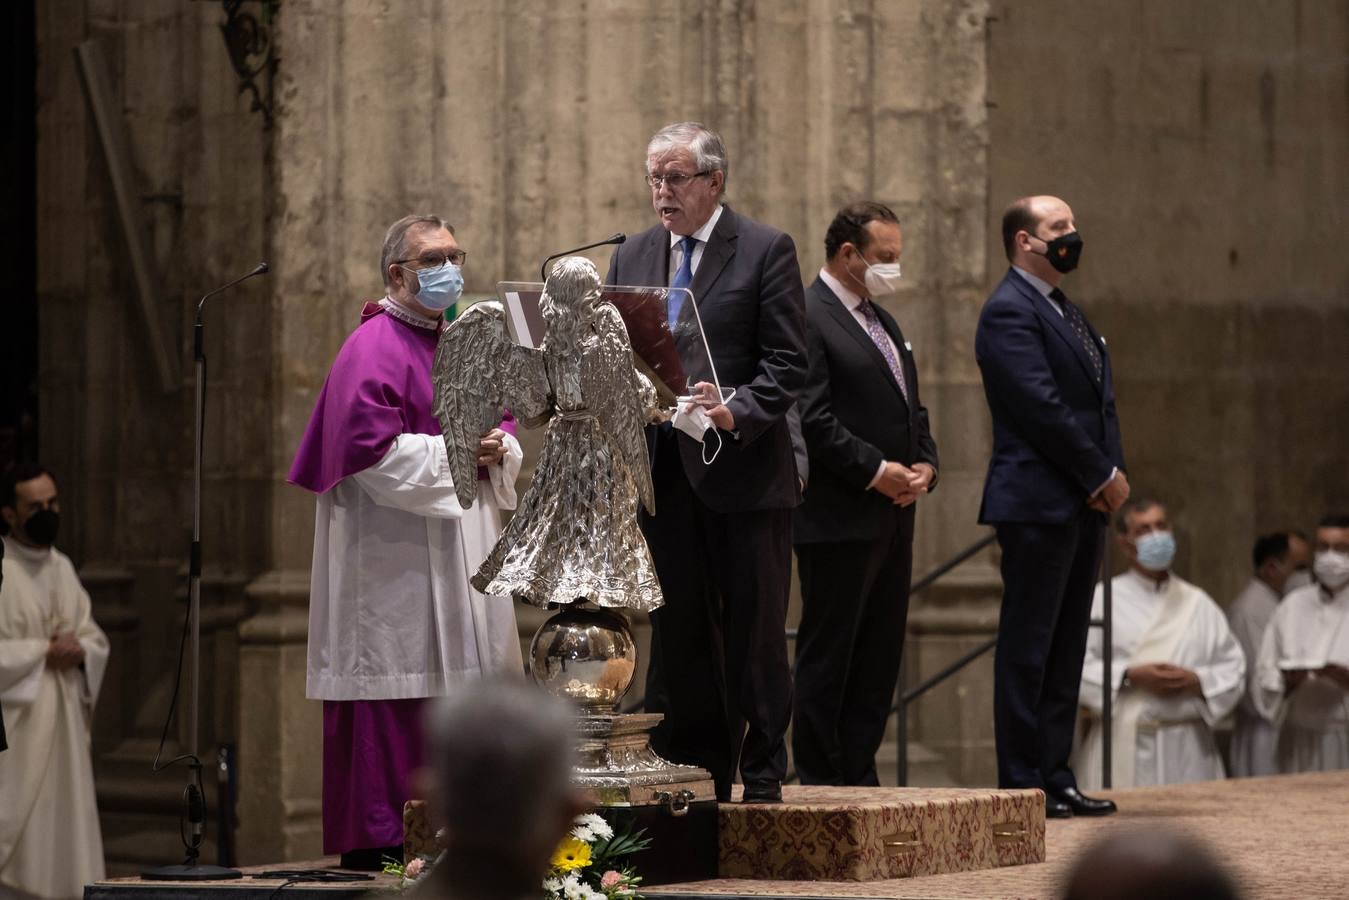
1055 432
749 296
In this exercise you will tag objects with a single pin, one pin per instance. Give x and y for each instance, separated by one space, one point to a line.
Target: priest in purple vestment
393 618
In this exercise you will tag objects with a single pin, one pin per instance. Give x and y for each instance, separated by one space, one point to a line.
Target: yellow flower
572 853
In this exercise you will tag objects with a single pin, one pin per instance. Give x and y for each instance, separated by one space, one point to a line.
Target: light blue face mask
439 288
1156 550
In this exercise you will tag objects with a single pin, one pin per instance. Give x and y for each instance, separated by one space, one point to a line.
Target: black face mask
41 527
1064 251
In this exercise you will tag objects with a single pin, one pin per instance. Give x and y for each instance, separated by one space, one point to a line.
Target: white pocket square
908 346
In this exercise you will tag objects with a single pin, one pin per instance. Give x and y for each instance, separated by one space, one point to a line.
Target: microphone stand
193 795
618 238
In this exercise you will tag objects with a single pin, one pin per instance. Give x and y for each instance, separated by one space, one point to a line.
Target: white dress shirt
701 236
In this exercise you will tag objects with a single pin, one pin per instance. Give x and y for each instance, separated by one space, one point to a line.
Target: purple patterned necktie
876 331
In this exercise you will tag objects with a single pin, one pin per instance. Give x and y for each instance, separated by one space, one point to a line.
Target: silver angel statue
574 535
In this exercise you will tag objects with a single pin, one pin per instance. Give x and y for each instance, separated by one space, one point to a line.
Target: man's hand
706 395
491 447
1165 679
1111 497
64 652
894 483
1338 674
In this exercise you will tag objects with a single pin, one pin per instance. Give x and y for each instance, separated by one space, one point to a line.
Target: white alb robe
392 615
1175 623
1307 632
50 842
1255 740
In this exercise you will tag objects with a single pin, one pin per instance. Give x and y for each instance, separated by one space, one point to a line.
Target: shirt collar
403 314
850 298
1044 287
1147 583
15 550
702 234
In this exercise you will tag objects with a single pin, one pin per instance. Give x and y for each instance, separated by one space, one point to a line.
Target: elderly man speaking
392 617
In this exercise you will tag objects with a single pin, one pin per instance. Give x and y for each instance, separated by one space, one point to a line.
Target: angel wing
628 398
479 371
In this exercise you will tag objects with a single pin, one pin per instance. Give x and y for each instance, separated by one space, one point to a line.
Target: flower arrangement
591 863
408 874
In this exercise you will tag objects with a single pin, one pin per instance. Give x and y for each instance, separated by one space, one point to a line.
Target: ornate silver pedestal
588 656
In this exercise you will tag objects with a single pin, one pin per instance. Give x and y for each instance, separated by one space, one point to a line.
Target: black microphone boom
612 239
198 328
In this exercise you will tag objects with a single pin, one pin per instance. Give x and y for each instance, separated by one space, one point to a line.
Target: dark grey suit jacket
749 297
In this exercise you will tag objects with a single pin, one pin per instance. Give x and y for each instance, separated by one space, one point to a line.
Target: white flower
596 895
553 886
583 833
596 825
573 889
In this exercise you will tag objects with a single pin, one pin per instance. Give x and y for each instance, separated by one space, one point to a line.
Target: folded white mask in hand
696 423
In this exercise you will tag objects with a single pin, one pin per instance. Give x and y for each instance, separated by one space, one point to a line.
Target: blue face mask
438 288
1156 550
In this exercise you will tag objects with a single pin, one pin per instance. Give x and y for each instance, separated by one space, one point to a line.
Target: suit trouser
1048 574
855 601
718 668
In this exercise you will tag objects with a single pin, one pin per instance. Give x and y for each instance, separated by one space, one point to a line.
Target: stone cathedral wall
1201 146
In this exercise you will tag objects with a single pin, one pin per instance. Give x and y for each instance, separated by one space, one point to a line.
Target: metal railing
903 698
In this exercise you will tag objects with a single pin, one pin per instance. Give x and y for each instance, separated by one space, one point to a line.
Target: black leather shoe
762 792
1080 804
1057 809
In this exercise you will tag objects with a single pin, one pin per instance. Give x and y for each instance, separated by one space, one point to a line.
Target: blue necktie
683 277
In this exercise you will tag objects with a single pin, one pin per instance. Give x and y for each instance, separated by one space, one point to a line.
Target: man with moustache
1056 473
873 456
721 536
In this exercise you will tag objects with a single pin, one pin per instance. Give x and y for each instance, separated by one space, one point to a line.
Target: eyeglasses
436 260
675 180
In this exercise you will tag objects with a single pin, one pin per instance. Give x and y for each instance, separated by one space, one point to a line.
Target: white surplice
392 615
1255 740
1307 632
1177 623
50 842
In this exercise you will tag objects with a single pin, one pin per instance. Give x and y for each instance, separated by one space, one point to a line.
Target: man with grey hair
721 536
502 755
392 616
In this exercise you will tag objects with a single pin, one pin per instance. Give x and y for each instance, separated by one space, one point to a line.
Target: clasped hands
492 447
1336 673
1165 679
64 651
904 484
1111 497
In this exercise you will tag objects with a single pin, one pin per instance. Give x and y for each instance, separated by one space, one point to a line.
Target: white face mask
1332 569
882 278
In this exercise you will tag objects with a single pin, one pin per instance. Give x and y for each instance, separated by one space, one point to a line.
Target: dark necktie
683 278
1078 324
876 331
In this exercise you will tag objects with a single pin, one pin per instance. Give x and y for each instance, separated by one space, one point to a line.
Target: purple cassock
379 387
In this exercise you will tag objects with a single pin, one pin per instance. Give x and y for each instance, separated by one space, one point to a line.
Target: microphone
612 239
198 328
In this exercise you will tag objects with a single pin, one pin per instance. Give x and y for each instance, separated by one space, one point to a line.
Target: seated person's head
1282 559
1145 535
1156 863
503 754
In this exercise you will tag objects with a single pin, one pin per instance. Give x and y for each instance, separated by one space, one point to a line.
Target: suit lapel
655 259
718 252
845 320
1059 323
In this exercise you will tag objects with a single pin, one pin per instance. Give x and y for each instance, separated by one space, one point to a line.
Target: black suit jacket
749 297
1055 432
853 416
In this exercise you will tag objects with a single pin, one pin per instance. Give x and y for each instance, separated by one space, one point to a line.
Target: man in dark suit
721 535
872 456
1056 474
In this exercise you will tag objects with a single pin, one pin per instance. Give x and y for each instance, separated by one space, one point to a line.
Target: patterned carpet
1284 837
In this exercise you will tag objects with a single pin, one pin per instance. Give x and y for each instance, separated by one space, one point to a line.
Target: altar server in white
1282 564
52 659
1302 677
1177 669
